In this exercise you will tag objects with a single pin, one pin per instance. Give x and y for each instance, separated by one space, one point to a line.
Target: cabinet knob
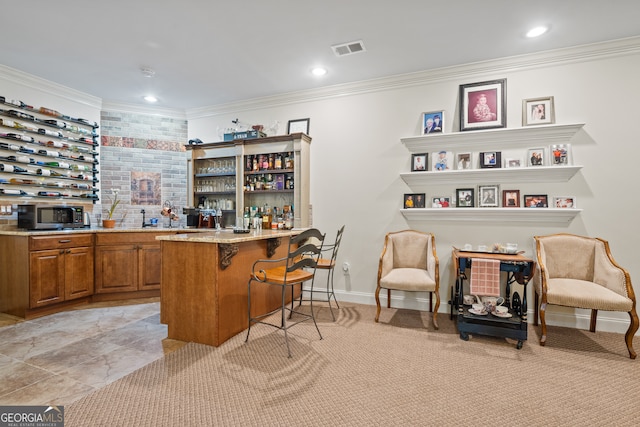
61 251
68 251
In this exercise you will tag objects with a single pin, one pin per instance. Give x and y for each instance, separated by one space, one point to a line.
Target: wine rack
46 155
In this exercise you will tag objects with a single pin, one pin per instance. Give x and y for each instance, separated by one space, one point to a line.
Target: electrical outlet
346 267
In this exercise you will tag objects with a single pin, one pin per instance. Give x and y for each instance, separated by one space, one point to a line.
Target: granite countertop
228 236
23 232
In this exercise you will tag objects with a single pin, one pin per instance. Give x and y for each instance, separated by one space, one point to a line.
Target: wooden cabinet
60 269
127 262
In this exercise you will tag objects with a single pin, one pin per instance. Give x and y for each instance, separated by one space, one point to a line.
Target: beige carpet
397 372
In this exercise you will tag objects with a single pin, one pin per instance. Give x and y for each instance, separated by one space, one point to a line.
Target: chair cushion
408 279
277 276
583 294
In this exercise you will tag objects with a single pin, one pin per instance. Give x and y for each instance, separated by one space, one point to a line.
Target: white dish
478 313
504 316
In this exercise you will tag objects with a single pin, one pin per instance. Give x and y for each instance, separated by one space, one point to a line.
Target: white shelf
523 175
540 216
491 139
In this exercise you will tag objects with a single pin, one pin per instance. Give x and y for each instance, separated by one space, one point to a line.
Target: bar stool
327 263
296 268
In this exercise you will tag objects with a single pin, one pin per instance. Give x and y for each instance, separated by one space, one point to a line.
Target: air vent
348 48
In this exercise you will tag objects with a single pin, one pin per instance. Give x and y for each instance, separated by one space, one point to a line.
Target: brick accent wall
142 143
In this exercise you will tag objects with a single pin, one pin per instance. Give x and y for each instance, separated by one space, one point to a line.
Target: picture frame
488 196
432 122
564 202
538 111
465 197
510 198
512 163
483 105
414 200
442 161
298 125
490 159
536 201
440 202
464 161
536 157
560 154
419 162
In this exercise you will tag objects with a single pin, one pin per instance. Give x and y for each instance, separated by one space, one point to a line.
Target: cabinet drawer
59 241
124 238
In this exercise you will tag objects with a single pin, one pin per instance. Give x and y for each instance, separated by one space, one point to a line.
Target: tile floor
57 359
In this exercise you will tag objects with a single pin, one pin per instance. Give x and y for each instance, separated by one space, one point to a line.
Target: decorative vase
108 223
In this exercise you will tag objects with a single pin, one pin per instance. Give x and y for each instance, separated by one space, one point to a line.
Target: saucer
504 316
477 313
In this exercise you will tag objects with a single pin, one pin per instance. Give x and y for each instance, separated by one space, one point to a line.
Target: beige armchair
409 263
580 272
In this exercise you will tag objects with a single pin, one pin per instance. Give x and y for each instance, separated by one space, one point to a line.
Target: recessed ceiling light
150 98
319 71
537 31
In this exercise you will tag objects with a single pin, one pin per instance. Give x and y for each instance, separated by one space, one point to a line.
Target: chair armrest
607 273
260 265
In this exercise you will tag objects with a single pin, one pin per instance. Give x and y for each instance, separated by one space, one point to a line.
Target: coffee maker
193 216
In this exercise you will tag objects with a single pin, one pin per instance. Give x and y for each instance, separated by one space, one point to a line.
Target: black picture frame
414 200
465 197
483 105
490 159
298 125
419 162
536 201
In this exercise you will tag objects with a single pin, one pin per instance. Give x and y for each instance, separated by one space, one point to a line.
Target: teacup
501 310
469 299
482 248
478 308
491 303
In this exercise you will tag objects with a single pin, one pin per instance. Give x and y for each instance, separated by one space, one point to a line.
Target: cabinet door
46 277
116 268
78 267
149 266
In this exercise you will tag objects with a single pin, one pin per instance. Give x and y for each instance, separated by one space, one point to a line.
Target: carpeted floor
397 372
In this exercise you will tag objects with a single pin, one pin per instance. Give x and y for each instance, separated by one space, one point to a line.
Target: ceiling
208 52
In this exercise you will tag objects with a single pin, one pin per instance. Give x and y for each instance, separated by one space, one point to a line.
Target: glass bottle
246 219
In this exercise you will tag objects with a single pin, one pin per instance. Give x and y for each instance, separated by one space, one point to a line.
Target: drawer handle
64 241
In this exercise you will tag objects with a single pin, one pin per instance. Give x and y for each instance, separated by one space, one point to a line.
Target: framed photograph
538 111
490 159
298 125
488 196
463 161
465 197
414 200
432 122
564 202
536 157
440 202
536 201
419 162
560 154
483 105
510 198
442 161
512 163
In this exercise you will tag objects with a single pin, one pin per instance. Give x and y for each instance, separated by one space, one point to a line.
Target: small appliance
50 217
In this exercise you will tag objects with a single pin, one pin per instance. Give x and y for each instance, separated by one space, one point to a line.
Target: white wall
357 157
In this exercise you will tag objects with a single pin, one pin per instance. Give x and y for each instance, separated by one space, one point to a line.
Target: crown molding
122 107
621 47
25 79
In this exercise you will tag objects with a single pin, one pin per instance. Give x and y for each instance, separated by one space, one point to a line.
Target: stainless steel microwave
50 217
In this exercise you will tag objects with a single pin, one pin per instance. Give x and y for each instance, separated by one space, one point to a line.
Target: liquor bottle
246 219
255 163
257 220
271 161
248 164
278 162
287 161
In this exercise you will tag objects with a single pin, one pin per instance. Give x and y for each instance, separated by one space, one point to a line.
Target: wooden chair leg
543 337
633 327
594 318
377 303
435 311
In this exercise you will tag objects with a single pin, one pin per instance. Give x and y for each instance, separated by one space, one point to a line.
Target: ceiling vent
348 48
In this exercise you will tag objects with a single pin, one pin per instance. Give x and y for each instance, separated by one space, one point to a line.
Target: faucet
144 222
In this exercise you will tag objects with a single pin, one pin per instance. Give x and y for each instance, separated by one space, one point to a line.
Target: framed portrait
414 200
419 162
298 125
510 198
463 161
538 111
483 105
560 154
564 202
442 161
440 202
488 196
490 159
536 201
432 122
536 157
512 163
465 197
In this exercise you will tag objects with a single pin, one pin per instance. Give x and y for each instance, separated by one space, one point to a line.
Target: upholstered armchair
409 263
580 272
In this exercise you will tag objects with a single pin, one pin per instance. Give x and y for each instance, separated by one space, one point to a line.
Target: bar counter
204 279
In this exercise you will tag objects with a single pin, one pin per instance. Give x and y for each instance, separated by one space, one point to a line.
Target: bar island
203 285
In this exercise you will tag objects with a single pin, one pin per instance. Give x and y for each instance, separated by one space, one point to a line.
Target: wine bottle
27 150
49 112
56 144
81 168
49 172
62 165
12 168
